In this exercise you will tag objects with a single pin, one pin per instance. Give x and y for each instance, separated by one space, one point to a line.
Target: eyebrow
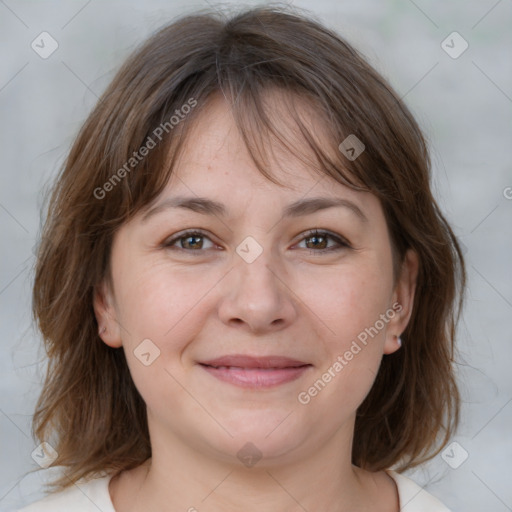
299 208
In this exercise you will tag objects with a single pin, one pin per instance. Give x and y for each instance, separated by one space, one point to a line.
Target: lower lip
256 377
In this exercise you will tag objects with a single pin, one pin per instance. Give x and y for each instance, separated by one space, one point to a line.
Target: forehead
215 174
215 154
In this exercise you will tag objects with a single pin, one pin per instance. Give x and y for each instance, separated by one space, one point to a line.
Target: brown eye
193 241
318 242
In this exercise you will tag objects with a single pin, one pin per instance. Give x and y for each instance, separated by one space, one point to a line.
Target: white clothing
93 495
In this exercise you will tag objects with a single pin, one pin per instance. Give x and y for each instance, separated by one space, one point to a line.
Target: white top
93 495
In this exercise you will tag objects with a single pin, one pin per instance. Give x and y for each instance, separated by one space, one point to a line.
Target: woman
247 291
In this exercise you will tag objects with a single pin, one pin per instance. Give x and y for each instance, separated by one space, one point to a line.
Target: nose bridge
257 269
256 294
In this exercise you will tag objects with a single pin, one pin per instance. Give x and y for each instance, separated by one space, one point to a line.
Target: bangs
274 123
268 98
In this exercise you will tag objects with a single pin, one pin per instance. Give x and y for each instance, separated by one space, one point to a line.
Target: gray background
464 105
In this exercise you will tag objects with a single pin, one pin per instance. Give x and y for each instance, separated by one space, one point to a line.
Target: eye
192 241
318 242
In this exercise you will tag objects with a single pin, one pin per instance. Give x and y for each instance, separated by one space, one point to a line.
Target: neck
181 477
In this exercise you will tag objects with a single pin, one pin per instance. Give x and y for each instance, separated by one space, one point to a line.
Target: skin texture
293 300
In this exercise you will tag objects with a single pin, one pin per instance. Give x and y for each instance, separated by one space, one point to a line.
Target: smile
255 372
256 377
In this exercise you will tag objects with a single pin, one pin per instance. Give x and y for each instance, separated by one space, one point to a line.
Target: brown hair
89 409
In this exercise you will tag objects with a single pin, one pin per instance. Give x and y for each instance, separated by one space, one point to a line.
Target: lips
255 372
242 361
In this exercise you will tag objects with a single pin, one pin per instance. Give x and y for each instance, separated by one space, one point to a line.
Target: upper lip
244 361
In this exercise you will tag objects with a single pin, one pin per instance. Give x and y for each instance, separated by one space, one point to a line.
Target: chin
269 435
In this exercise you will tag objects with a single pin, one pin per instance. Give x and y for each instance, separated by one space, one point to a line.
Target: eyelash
343 244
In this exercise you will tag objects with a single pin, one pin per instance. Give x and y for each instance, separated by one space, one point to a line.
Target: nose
257 297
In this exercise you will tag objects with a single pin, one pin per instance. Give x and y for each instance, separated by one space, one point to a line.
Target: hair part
89 409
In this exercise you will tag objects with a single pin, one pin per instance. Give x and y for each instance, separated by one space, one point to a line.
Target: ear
402 301
104 310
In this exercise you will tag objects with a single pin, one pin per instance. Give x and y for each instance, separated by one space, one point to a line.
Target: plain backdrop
463 101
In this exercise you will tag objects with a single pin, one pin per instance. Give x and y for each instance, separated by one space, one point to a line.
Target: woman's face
310 315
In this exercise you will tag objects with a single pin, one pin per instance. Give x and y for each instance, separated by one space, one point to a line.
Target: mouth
255 372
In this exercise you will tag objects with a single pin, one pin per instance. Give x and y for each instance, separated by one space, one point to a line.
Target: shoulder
414 498
84 496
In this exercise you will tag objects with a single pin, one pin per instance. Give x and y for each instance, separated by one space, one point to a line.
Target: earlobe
392 344
108 327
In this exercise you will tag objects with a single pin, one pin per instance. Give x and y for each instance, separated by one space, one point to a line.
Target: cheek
347 300
169 306
166 306
159 302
